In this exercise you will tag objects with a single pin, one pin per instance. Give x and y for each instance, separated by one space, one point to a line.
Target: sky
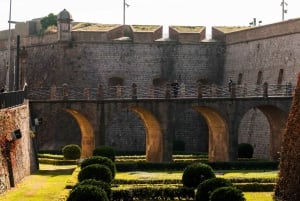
154 12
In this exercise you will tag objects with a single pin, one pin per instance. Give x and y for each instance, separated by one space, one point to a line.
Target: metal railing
141 92
11 99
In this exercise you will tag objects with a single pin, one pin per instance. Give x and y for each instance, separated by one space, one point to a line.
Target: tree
287 187
47 21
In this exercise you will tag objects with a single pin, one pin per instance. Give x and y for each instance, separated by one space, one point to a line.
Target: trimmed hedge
105 151
87 192
162 193
97 172
102 161
100 184
71 151
227 193
196 173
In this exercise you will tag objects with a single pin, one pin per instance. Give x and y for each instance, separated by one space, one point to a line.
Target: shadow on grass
54 172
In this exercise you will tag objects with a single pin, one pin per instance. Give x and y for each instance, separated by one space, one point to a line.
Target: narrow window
259 78
280 76
240 79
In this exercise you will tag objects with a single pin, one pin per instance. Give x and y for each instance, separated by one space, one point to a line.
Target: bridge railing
11 99
140 92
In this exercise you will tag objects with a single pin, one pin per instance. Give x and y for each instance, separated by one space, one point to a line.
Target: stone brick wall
15 155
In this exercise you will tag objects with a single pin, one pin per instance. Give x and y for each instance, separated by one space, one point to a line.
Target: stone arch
262 126
277 120
154 137
87 133
218 134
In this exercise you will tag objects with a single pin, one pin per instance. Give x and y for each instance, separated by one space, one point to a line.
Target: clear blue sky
159 12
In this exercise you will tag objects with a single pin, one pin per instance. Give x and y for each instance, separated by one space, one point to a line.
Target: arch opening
262 127
154 137
218 134
87 133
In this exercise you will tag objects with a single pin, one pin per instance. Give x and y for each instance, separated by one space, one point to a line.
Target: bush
245 150
196 173
71 151
227 193
87 192
100 184
95 171
101 161
105 151
208 186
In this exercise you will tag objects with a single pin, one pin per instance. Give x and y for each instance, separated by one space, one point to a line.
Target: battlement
233 35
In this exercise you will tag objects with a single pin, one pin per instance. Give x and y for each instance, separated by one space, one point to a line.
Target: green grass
45 185
258 196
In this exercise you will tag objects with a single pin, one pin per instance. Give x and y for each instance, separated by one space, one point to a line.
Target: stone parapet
187 34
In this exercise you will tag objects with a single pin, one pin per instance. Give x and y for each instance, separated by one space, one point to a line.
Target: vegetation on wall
48 21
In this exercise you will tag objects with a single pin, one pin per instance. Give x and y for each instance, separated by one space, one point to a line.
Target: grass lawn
46 184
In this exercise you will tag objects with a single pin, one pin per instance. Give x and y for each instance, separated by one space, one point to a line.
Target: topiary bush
105 151
95 171
245 150
227 193
100 184
102 161
208 186
71 151
87 192
196 173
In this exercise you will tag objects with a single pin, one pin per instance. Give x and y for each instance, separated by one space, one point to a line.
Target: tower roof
64 15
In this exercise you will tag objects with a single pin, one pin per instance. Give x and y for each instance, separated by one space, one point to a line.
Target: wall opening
218 134
87 133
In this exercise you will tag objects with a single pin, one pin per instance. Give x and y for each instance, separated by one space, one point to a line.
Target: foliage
208 186
87 192
48 21
245 150
71 151
100 160
95 171
196 173
100 184
152 193
105 151
227 193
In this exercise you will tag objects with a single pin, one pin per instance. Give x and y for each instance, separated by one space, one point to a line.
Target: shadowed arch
87 133
154 145
218 134
277 119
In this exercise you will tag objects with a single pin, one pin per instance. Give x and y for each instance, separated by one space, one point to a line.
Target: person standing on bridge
175 88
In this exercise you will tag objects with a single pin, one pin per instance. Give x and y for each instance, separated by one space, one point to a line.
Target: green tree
49 20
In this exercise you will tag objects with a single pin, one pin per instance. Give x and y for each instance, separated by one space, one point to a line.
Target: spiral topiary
87 192
95 171
102 161
208 186
100 184
71 151
105 151
196 173
227 193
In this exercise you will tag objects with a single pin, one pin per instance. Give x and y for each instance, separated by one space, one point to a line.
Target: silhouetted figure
2 90
230 85
175 88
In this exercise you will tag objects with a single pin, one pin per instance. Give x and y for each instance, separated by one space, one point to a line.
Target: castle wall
20 151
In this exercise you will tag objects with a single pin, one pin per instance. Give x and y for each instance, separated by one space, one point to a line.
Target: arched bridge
221 108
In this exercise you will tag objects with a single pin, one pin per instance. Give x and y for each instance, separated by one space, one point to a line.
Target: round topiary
208 186
102 161
105 151
245 150
227 193
87 192
196 173
95 171
71 151
100 184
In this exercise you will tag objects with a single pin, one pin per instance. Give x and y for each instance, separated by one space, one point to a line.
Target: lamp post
9 49
283 4
124 11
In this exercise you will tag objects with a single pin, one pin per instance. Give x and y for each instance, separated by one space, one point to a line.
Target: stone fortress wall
138 54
